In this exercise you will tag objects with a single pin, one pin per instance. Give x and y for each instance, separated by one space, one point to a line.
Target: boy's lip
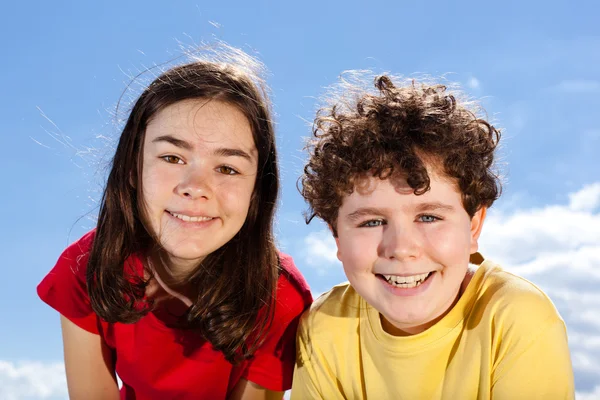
407 292
404 274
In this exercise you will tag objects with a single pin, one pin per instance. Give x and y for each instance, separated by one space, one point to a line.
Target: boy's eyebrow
174 141
434 206
363 212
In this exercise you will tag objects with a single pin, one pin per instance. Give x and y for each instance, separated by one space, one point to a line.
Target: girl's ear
476 226
132 180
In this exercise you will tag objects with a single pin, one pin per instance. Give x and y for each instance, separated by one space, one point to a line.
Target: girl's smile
187 217
185 221
198 175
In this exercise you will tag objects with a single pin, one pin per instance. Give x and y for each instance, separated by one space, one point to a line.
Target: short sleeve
313 377
272 366
65 289
542 371
532 359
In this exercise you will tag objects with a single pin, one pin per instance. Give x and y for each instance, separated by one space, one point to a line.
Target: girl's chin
182 259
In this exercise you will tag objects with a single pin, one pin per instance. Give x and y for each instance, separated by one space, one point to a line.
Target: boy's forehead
370 189
367 181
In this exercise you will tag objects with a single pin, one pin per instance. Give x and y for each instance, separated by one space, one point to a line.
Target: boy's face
407 255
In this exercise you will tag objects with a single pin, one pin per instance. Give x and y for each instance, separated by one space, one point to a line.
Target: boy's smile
407 255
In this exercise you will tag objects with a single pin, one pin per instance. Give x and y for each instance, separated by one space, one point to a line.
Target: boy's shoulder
333 311
512 299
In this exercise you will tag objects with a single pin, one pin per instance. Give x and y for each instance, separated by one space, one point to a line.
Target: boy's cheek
355 256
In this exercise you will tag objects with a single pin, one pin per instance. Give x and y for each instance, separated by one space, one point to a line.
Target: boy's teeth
406 281
187 218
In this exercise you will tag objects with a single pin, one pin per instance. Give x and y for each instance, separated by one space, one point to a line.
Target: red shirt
155 361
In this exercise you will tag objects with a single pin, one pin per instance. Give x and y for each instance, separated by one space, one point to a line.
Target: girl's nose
196 184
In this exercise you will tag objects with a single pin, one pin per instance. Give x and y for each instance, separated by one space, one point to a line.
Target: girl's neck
172 277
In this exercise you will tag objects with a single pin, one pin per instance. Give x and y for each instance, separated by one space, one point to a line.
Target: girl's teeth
187 218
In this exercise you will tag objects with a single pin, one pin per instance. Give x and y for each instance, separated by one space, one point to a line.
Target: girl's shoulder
74 259
293 293
290 274
78 252
64 288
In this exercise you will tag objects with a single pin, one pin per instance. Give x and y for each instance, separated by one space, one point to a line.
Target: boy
403 177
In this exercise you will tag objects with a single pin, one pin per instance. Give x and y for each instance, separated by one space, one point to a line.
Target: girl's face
198 174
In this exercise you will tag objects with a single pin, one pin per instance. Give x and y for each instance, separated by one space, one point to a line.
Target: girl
179 290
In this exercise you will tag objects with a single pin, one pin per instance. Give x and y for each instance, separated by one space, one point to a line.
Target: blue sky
534 65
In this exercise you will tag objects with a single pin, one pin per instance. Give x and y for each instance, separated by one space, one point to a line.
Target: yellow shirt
502 340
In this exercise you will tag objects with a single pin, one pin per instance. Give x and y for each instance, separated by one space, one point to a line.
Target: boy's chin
403 325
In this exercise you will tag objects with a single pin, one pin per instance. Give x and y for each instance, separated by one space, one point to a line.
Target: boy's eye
428 218
172 159
372 223
224 169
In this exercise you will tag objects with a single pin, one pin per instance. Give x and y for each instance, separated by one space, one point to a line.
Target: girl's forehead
198 112
202 121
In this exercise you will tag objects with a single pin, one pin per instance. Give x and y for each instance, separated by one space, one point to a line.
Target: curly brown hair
401 128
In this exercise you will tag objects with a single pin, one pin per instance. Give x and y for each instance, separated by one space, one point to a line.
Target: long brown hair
235 285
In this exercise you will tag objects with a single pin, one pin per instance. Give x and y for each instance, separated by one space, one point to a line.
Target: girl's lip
189 214
187 221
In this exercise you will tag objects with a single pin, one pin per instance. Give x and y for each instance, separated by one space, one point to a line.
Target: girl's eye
172 159
428 218
372 223
224 169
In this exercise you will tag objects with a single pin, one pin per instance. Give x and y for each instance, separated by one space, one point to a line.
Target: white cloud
577 86
591 395
587 199
473 83
321 252
528 234
32 380
557 247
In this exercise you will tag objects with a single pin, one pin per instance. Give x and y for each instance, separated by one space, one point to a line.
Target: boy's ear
337 240
337 244
332 230
476 225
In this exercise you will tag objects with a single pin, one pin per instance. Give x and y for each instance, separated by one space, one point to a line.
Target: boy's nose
400 243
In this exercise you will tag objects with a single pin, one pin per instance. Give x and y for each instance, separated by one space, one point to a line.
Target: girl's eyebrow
174 141
222 152
226 152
